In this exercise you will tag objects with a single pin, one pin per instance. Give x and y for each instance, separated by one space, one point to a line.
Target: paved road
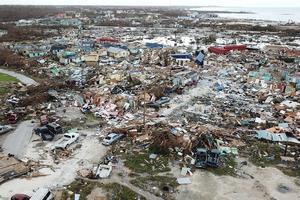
16 142
24 79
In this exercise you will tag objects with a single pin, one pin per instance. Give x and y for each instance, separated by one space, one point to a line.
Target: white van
42 194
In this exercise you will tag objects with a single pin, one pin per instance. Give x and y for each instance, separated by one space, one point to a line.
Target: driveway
24 79
16 142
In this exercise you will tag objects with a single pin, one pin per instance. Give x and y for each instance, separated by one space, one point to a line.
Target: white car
111 138
5 129
66 140
103 171
42 194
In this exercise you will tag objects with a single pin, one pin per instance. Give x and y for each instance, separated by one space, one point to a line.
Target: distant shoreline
224 12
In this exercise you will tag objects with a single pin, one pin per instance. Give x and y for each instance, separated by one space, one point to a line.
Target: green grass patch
91 117
294 172
82 187
140 162
4 78
4 90
85 188
120 192
166 185
265 154
227 166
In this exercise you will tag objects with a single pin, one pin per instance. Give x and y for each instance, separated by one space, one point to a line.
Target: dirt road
24 79
17 141
60 174
265 185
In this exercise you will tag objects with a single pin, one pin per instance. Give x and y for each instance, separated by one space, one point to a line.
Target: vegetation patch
140 162
162 186
265 154
4 90
4 78
295 171
120 192
227 166
80 186
85 188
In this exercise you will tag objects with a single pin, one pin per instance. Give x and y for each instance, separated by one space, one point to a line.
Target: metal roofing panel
279 137
263 134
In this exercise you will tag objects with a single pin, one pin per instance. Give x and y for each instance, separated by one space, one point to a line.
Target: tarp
200 58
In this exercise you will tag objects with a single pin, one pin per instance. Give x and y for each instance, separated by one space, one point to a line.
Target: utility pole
144 106
144 112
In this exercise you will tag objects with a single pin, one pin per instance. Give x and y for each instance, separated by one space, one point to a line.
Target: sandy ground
24 79
60 174
17 141
265 186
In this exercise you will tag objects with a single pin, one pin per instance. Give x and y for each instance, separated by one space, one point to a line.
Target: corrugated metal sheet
275 137
263 134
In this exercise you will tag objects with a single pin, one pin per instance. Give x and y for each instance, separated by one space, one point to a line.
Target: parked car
12 117
13 100
55 128
45 133
42 194
20 197
201 158
103 171
112 138
66 140
5 129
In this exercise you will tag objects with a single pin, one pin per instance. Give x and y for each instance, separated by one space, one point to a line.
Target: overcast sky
239 3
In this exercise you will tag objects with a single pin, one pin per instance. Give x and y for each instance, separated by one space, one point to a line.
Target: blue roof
200 58
283 125
107 45
154 45
279 137
181 56
115 49
263 134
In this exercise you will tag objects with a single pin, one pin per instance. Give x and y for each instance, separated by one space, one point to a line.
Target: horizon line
105 5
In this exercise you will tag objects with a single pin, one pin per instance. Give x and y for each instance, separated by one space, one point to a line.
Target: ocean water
260 13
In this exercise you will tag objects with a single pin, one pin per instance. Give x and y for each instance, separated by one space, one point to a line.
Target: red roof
226 49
